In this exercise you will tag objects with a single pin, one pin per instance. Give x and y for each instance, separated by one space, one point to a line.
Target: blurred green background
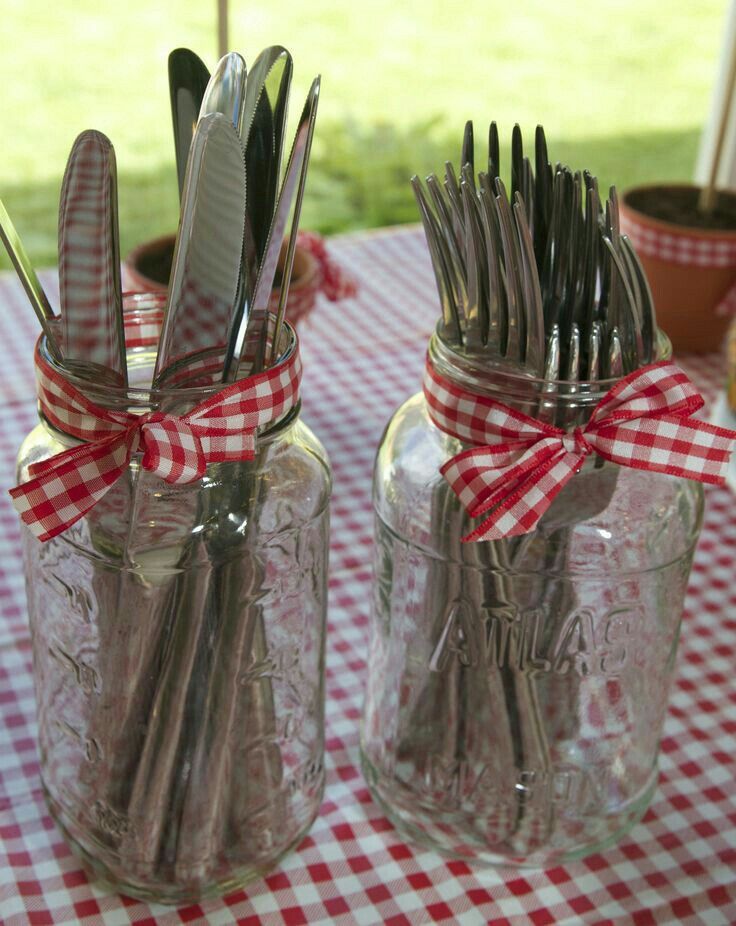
622 88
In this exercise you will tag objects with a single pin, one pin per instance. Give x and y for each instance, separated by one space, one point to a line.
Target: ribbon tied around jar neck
517 465
222 428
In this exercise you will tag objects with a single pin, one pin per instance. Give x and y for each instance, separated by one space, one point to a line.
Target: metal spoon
30 282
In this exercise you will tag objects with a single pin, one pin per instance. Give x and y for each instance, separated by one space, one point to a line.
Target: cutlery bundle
202 753
538 277
536 509
236 206
536 281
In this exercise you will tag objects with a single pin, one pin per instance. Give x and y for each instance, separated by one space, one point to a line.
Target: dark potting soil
679 205
156 264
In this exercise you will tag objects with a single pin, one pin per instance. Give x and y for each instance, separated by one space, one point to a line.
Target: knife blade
207 255
90 290
250 324
309 115
263 123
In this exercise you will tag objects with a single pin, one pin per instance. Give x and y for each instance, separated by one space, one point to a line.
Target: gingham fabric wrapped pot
528 591
175 547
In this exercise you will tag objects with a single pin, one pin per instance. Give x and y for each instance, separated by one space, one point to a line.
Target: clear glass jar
178 644
517 688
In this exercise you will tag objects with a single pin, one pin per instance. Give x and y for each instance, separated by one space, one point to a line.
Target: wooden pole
222 28
707 199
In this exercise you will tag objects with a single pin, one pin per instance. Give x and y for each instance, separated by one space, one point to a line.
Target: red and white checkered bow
519 465
63 488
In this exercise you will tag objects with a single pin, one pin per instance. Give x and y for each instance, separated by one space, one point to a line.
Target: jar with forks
517 688
518 685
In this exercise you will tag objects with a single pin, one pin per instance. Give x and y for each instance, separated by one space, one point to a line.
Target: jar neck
274 430
567 404
197 380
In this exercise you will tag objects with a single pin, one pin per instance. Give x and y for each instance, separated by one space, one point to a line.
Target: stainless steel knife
207 256
89 261
250 324
262 132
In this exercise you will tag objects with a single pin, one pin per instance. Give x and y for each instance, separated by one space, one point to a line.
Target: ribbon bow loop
518 465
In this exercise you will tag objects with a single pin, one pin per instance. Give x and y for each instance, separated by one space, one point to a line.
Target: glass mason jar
178 644
517 688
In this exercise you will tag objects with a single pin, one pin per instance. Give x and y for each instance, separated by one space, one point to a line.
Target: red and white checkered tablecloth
362 358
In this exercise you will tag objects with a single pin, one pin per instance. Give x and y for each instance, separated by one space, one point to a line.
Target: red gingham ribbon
679 248
685 250
335 282
65 487
519 465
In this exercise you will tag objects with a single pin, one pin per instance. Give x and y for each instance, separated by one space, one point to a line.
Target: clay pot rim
306 265
672 227
152 244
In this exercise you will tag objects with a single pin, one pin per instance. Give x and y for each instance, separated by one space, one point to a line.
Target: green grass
622 89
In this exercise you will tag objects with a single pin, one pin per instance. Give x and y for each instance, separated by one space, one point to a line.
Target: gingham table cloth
361 359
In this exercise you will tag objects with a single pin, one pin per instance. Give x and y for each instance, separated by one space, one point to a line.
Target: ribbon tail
684 447
61 493
520 512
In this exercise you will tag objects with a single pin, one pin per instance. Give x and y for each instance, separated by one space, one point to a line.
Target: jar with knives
176 513
533 529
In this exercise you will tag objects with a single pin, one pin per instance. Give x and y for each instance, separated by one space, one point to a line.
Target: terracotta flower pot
690 263
147 269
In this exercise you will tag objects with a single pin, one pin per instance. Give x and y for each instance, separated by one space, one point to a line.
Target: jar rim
145 309
477 367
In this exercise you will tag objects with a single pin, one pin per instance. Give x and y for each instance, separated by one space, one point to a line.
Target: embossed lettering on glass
178 642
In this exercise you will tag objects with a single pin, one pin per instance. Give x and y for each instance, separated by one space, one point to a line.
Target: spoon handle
31 284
